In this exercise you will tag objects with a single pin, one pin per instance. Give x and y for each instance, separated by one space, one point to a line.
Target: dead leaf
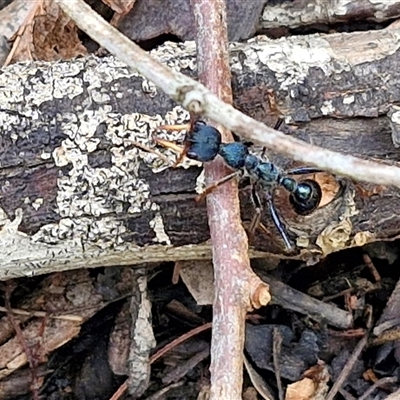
47 34
301 390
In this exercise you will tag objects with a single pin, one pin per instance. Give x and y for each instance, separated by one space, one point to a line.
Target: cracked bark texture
302 12
76 193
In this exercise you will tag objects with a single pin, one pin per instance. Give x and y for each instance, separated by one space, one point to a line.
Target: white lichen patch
3 217
87 194
8 121
37 203
97 235
45 156
395 116
177 55
95 74
12 84
337 234
68 86
297 16
290 59
327 108
157 224
16 245
65 69
100 97
94 196
201 182
149 87
348 99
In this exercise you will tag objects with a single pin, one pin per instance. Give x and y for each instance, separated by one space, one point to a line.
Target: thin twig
378 384
43 314
123 388
347 368
346 395
276 352
369 263
160 394
199 100
232 271
178 341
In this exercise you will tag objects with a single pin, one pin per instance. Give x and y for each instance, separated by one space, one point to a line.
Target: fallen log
76 192
302 13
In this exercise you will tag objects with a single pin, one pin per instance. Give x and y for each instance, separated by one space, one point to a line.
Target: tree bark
76 193
302 13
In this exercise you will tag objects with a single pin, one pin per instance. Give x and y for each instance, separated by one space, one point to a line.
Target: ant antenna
276 127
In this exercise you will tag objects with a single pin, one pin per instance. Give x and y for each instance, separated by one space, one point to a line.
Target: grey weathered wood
75 193
302 12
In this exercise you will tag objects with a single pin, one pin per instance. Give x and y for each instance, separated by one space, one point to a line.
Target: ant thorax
234 154
263 172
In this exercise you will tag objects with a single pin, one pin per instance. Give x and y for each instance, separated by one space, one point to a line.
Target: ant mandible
203 143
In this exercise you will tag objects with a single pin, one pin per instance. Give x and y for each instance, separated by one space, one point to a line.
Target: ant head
203 142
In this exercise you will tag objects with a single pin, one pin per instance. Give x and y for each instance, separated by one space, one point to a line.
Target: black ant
203 143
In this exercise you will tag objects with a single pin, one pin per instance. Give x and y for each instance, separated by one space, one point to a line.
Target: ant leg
276 127
273 105
215 184
277 221
278 124
149 150
303 171
170 145
255 222
263 228
179 127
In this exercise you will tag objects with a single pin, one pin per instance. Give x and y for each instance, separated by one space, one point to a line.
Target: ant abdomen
306 198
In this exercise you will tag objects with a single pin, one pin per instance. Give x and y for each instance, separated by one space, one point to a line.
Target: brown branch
295 300
233 276
168 347
196 98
